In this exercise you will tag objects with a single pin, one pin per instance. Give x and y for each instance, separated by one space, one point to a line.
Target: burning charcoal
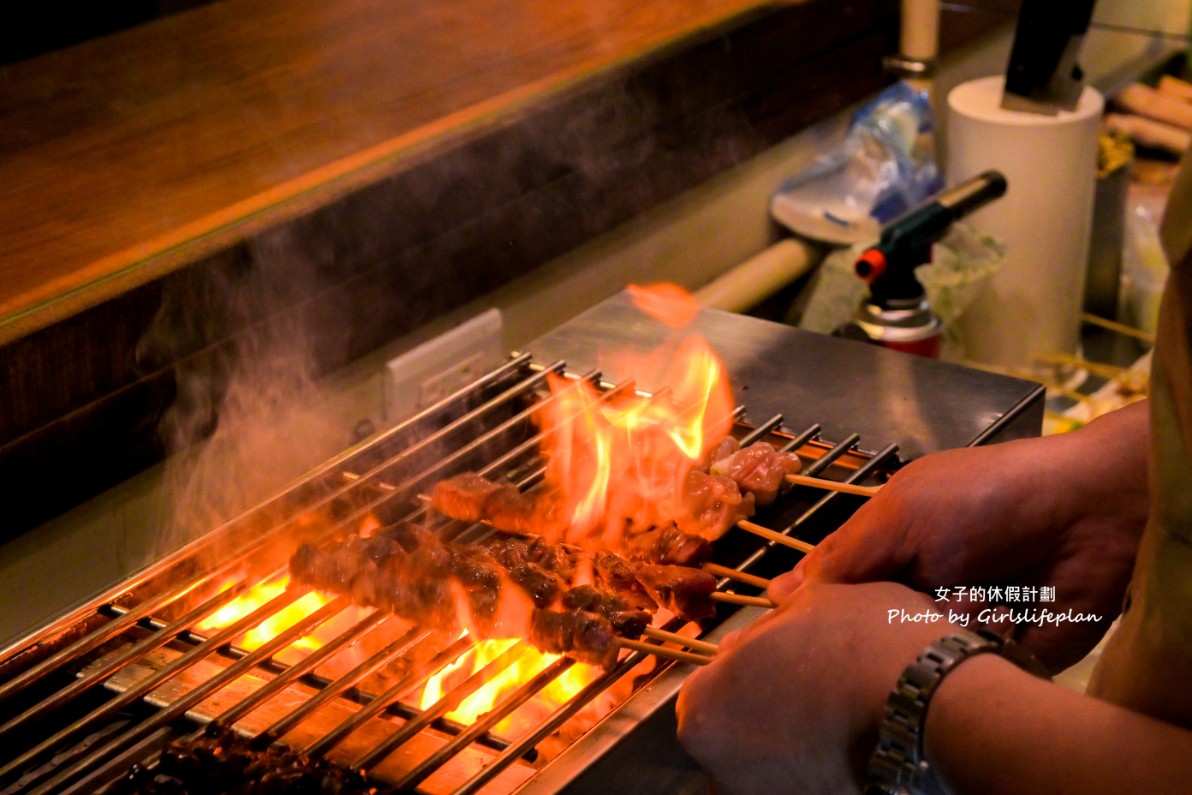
583 636
759 470
684 591
714 504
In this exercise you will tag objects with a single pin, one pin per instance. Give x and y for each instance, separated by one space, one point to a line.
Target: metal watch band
897 766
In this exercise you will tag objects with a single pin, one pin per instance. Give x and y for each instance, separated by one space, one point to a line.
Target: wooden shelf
128 156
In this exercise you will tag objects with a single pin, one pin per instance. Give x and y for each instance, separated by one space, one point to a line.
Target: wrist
898 766
1102 472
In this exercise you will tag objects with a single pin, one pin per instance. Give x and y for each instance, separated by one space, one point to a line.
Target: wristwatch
897 766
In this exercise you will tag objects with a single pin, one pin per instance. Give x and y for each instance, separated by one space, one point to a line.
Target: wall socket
436 368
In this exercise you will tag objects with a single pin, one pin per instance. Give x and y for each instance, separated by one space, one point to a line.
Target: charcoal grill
107 686
139 647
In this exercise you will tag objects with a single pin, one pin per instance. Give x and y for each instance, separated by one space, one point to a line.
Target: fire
280 621
561 689
622 462
619 463
666 303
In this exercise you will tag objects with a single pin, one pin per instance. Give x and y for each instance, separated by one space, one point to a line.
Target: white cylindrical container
1031 306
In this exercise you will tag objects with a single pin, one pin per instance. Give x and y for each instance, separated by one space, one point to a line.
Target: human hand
793 702
1063 511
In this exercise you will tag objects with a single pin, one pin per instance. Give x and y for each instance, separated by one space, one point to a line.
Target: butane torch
895 313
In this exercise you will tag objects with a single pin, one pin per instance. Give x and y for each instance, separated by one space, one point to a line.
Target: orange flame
560 690
666 303
620 463
280 621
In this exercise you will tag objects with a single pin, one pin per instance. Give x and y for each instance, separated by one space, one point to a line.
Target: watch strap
897 766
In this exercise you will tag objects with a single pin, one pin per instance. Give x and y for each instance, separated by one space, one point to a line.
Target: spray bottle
895 313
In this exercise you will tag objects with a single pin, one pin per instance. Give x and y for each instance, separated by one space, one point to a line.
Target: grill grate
110 684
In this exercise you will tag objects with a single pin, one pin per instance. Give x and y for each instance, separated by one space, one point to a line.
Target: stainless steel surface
110 683
845 386
139 644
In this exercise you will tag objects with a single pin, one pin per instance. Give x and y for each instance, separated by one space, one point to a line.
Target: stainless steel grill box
104 687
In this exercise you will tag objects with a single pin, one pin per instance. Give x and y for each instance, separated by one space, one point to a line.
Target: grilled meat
411 572
628 621
684 591
228 764
668 545
713 504
525 563
713 497
586 637
473 498
758 469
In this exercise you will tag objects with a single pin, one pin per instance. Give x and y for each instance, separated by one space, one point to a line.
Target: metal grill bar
129 696
404 687
134 652
482 726
179 707
391 652
356 484
551 724
444 705
306 665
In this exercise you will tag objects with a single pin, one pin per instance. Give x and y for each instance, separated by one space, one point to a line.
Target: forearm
994 728
1101 469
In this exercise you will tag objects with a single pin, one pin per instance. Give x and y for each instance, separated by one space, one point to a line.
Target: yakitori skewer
665 652
1120 328
832 485
729 597
736 574
771 535
672 637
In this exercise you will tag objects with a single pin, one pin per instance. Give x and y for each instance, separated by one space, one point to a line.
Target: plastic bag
883 168
960 264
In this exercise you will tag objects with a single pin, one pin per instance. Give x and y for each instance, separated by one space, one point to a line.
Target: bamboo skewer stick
735 574
777 538
1120 328
832 485
1107 371
665 651
671 637
728 597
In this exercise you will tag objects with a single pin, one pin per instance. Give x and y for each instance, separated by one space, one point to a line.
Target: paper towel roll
1032 305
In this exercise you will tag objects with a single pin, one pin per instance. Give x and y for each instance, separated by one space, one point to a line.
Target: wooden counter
254 171
116 153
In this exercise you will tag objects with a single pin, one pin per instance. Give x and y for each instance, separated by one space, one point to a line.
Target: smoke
249 415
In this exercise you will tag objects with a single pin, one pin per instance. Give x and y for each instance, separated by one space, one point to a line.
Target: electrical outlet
421 376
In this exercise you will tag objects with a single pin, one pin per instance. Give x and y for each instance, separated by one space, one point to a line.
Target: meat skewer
832 485
712 499
677 655
728 597
412 573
